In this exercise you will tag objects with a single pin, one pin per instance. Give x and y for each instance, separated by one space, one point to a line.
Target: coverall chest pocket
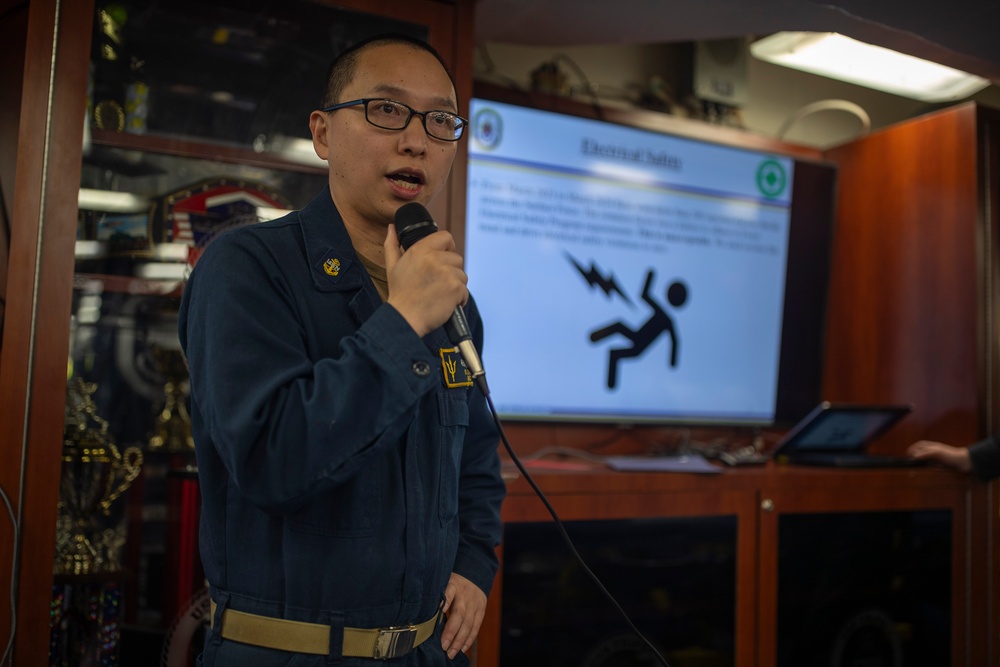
453 413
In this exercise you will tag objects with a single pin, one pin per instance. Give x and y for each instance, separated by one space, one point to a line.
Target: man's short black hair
344 66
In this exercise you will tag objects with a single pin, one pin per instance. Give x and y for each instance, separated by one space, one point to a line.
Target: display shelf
128 284
286 155
121 576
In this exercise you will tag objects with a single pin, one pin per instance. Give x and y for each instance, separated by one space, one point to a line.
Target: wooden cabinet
913 300
820 555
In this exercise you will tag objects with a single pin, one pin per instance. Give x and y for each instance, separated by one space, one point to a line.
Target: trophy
172 430
94 475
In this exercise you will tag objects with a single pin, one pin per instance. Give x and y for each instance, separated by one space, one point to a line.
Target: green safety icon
771 178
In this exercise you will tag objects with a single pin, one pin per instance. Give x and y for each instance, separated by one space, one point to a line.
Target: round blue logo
487 129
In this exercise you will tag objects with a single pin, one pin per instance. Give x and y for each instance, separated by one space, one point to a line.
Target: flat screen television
627 275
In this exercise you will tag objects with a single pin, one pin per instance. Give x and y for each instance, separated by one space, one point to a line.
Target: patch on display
195 215
456 373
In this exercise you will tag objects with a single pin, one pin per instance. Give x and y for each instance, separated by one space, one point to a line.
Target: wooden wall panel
904 297
914 302
35 338
16 343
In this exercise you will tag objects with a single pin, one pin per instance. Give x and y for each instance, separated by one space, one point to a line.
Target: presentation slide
624 273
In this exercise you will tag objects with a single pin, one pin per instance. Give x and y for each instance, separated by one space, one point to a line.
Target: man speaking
350 478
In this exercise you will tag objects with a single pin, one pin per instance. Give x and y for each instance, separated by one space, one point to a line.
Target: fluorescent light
838 57
161 271
265 213
111 202
90 249
295 149
170 252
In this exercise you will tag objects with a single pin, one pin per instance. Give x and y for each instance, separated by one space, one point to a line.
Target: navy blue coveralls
344 477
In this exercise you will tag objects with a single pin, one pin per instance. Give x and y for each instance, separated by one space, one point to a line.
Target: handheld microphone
413 222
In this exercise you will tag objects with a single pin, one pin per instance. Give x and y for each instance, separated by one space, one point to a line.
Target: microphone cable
413 222
565 536
15 543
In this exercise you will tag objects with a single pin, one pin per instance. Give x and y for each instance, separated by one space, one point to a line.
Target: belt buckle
395 641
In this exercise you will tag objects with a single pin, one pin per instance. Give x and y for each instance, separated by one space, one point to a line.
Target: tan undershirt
378 276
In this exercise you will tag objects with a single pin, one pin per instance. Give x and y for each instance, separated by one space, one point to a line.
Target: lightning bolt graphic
594 277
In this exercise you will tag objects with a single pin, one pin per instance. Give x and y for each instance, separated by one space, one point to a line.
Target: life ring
177 643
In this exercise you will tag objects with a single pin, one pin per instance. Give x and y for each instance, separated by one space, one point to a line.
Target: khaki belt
314 638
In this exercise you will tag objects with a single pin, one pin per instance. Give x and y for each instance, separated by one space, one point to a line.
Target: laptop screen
841 428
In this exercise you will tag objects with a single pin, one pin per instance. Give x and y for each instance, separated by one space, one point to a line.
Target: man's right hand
426 282
953 457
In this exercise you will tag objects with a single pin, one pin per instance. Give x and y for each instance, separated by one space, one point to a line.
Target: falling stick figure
658 323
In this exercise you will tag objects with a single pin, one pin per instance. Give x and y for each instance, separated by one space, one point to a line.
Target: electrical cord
565 535
13 577
826 105
588 87
491 69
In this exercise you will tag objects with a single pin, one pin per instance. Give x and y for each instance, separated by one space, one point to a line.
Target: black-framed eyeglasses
393 115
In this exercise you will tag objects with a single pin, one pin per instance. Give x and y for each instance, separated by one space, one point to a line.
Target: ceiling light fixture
835 56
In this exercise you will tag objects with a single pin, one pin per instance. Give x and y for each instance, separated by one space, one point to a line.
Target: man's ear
318 125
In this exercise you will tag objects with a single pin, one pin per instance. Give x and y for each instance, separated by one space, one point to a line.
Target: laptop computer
839 435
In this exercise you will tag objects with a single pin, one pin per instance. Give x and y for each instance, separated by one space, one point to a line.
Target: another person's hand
465 605
426 282
953 457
